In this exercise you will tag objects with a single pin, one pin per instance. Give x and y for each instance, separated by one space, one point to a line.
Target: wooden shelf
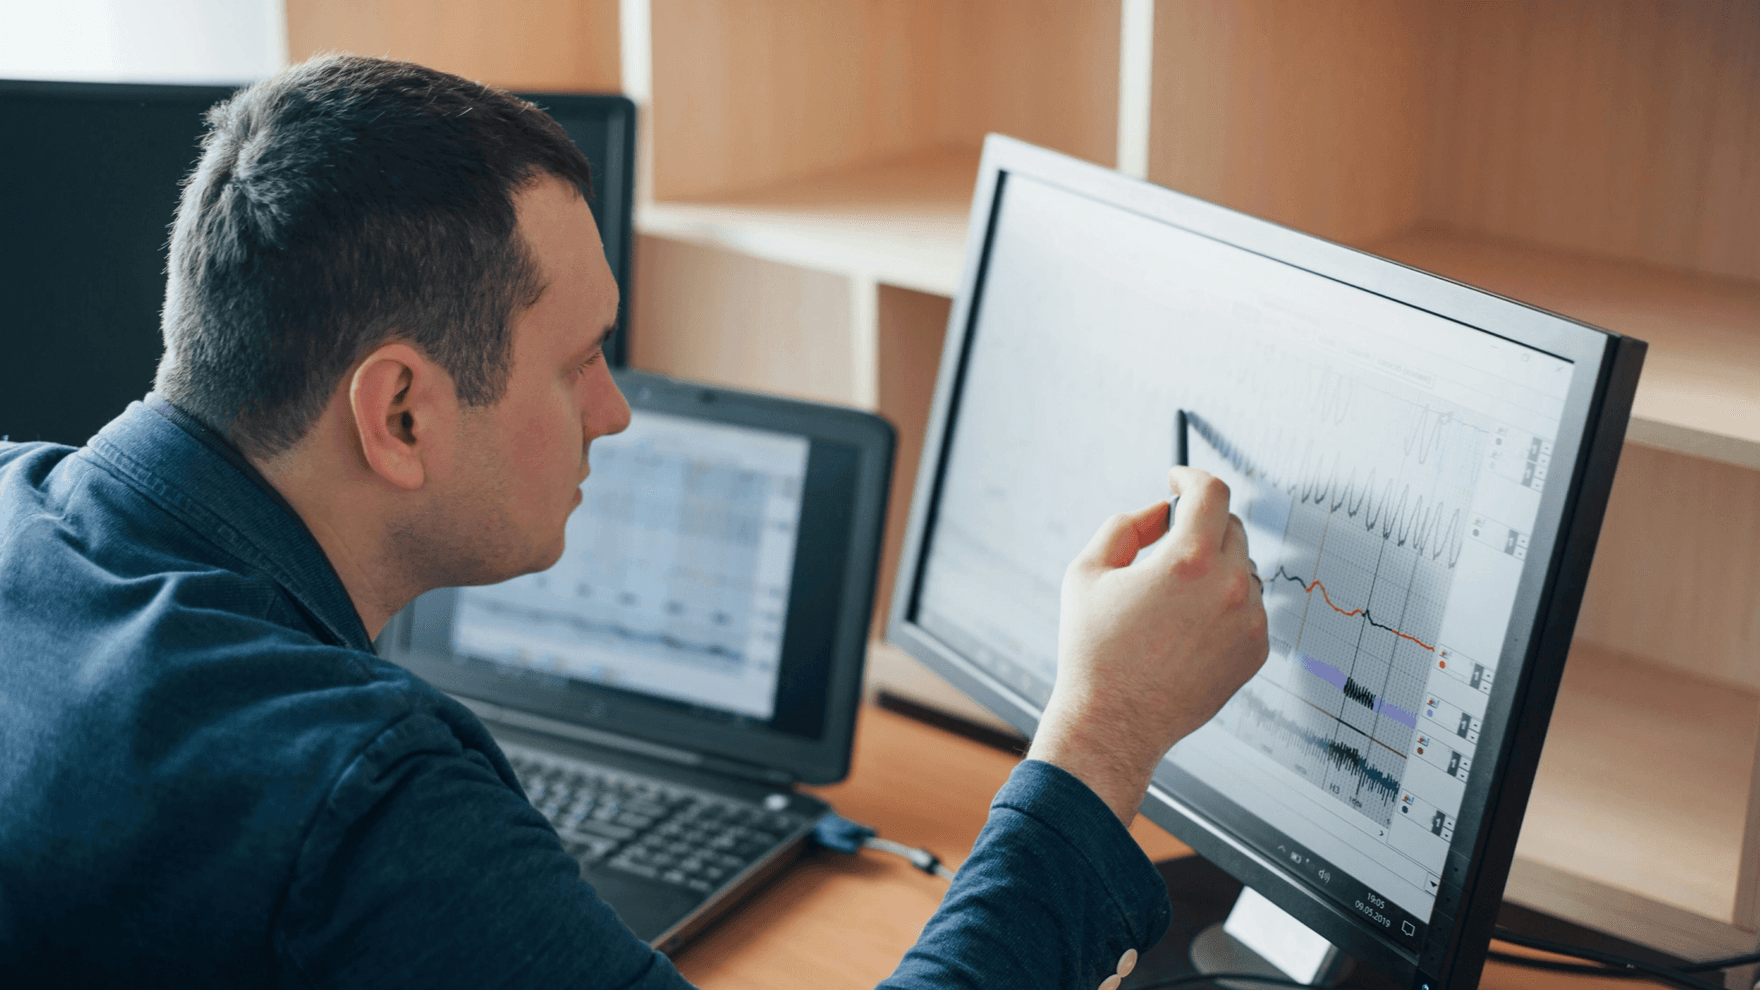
901 222
1643 790
1700 392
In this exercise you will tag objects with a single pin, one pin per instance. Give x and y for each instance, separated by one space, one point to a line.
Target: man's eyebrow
598 342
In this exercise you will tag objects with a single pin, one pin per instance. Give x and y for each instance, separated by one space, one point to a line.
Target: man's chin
506 570
550 558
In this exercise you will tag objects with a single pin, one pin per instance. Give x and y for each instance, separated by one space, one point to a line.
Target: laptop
695 656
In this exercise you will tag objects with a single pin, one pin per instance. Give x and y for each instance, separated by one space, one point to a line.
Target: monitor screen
677 575
89 184
1397 471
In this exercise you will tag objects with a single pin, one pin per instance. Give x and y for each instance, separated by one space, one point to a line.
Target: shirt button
1127 962
1111 982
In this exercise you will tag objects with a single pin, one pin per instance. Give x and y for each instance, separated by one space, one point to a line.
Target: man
383 318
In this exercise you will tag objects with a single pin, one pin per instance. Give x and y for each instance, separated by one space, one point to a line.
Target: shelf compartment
748 322
1642 805
901 222
750 94
1674 579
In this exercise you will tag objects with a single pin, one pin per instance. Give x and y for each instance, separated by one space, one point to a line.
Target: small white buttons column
1126 963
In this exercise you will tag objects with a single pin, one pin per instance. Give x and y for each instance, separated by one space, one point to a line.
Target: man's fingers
1234 541
1121 537
1200 518
1234 551
1151 522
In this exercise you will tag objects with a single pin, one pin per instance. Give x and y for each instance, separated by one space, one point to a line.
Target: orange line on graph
1309 588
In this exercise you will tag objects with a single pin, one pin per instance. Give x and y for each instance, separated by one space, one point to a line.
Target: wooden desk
836 921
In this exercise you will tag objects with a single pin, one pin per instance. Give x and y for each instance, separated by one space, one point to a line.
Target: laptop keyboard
642 826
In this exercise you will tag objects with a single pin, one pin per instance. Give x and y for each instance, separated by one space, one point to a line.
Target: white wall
142 40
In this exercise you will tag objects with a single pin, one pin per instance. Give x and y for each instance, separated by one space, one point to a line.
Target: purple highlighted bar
1325 671
1335 677
1398 714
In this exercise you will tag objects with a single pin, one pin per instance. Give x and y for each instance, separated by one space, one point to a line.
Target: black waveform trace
1425 437
1359 694
1342 756
1311 587
1428 527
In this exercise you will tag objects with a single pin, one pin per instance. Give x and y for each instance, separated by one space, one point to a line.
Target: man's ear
398 398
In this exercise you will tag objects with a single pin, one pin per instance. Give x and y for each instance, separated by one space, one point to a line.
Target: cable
1559 966
838 833
1663 974
1614 964
1180 981
922 859
1728 962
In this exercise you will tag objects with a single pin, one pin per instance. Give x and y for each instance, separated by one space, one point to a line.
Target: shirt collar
197 475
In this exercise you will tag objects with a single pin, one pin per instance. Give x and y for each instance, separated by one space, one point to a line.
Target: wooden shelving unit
809 167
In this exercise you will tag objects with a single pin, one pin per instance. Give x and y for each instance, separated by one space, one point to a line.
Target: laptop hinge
750 771
490 712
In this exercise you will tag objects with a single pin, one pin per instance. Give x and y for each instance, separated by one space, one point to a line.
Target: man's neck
279 478
353 537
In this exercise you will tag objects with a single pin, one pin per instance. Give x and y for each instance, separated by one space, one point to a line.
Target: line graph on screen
1357 501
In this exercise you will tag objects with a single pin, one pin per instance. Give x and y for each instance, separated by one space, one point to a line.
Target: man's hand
1149 649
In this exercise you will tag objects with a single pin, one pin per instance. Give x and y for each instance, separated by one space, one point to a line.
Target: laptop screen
677 575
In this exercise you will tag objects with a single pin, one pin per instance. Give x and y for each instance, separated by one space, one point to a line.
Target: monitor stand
1259 938
1202 897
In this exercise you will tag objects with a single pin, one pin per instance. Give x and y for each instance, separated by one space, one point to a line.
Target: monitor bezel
1600 400
618 197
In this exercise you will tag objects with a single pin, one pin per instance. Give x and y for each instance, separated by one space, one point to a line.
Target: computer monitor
1422 468
89 183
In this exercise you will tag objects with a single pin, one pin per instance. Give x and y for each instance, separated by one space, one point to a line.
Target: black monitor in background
89 182
1422 468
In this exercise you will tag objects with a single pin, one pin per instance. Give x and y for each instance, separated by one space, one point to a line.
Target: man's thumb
1122 536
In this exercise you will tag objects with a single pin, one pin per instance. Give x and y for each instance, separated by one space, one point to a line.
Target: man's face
522 460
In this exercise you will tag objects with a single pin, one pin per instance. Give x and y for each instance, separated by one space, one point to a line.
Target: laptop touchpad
648 907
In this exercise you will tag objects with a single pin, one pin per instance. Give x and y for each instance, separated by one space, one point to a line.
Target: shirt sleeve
1055 891
424 868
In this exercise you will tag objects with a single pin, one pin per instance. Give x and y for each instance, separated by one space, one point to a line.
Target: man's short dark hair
341 204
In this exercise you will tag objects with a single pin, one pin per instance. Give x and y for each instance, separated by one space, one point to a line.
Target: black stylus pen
1179 456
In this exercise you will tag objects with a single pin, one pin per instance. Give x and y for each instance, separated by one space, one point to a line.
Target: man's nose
616 416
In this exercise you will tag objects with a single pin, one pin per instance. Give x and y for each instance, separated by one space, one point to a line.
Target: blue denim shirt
208 778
